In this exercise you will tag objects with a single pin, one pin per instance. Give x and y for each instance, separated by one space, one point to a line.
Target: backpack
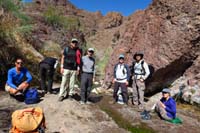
30 120
31 96
50 61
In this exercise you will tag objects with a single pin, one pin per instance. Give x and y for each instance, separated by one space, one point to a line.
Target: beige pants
67 84
138 92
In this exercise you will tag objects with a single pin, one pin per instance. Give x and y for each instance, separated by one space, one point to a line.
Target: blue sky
126 7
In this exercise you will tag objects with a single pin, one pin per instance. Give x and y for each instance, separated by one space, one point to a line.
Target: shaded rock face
168 34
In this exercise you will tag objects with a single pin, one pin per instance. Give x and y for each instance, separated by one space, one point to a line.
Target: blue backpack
31 96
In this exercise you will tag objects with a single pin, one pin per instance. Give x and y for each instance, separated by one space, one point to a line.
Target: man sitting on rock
166 107
16 75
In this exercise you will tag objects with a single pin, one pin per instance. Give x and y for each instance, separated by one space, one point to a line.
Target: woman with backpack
140 74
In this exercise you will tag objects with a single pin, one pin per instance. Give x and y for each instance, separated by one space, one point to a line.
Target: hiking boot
144 112
147 116
82 103
60 99
88 102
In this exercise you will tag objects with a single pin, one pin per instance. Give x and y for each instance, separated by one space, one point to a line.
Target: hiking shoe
60 99
144 112
88 102
81 102
147 116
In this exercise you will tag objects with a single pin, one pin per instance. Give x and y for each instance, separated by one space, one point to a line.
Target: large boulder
168 34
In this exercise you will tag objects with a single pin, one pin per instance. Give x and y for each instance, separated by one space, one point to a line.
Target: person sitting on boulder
46 71
166 107
121 78
140 74
16 75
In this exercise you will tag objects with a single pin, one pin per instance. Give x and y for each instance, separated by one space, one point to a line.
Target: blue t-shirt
170 107
15 79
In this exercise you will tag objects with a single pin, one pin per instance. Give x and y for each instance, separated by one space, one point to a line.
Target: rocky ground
98 117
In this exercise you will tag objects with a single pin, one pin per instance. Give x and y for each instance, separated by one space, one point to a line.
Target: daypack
31 96
30 120
50 61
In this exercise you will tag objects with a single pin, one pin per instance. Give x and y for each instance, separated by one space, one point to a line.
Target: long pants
67 84
86 86
138 92
162 112
46 72
123 90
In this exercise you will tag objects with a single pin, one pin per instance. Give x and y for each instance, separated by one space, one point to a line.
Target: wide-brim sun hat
138 54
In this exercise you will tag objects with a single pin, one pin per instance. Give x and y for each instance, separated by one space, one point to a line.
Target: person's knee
23 86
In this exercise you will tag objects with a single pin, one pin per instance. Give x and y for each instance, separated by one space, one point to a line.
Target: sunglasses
19 63
75 42
91 52
164 92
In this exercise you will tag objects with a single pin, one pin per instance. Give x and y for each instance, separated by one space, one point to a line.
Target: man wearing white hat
87 64
70 62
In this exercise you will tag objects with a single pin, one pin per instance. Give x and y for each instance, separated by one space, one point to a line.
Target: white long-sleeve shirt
141 72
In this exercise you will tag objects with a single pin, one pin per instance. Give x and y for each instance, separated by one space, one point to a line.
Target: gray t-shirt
88 64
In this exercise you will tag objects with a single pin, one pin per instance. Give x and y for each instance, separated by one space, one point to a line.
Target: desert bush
55 18
12 19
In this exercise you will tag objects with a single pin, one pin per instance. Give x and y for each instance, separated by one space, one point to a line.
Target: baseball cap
91 49
166 90
121 56
74 40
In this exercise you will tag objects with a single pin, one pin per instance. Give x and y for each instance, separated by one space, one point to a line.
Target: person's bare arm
62 64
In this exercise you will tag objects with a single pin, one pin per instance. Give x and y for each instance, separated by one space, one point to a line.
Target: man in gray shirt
88 63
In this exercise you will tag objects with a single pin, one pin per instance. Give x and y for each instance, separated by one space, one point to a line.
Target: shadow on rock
95 99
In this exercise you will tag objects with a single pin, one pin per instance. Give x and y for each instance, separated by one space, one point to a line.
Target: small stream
120 121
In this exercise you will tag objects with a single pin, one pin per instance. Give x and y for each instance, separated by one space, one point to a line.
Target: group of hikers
73 63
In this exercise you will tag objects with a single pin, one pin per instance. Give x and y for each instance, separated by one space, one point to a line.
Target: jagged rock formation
168 34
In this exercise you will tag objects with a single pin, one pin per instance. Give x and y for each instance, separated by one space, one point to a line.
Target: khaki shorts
7 88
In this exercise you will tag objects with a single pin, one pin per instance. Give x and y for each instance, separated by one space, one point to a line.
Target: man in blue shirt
16 75
166 107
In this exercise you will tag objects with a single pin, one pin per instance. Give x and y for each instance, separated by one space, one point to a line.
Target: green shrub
13 20
9 6
55 18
